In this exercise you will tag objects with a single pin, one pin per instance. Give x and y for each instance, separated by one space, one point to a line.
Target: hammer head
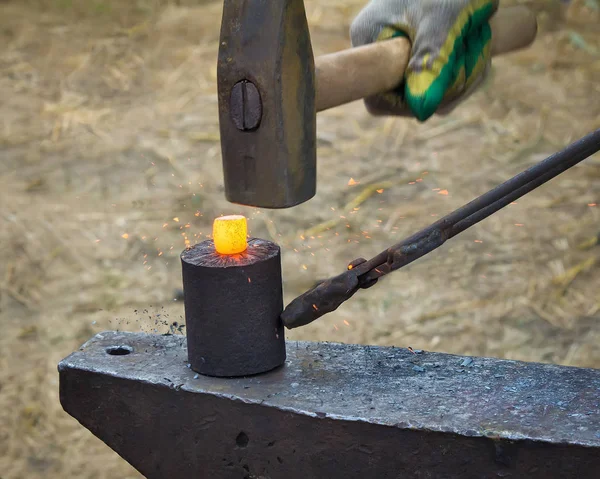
267 115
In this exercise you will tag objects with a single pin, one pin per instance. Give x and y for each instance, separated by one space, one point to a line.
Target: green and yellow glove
450 53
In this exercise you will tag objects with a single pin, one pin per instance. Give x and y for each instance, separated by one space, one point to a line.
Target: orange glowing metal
230 233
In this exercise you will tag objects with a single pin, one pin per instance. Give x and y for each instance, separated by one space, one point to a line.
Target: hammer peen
270 88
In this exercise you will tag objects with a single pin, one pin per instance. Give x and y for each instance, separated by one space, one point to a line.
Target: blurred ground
110 160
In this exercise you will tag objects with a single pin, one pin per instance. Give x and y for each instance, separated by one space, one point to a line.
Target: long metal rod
330 294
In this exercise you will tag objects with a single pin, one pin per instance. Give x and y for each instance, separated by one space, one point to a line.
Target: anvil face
334 411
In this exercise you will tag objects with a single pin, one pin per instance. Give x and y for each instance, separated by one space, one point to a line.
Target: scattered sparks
124 236
352 182
443 192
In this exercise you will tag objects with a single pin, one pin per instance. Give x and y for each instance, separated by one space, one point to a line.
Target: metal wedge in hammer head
267 115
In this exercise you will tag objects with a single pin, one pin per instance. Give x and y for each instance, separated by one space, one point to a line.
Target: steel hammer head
267 115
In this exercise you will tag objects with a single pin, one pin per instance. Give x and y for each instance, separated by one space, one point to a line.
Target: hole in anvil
242 439
122 350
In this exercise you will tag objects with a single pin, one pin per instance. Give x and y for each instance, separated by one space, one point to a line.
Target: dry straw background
110 160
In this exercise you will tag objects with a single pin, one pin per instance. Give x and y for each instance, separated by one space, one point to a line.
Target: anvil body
335 411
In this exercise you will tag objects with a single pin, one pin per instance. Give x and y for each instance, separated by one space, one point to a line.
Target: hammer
270 88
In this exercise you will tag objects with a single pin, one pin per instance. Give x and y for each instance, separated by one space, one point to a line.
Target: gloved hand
450 51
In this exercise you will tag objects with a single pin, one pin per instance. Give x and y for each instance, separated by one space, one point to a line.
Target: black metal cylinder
232 306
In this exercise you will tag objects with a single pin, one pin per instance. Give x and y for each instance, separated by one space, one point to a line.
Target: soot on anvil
233 304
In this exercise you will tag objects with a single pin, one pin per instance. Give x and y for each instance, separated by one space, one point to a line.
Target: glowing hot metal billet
233 302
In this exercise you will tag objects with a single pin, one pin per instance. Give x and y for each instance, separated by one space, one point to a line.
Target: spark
380 190
336 328
249 280
419 180
443 192
346 323
591 204
176 219
304 266
315 307
160 253
165 225
98 241
352 182
124 236
478 241
411 182
518 224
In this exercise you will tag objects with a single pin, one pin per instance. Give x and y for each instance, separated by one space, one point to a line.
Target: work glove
450 51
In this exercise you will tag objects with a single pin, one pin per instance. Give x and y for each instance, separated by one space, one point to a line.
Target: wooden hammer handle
360 72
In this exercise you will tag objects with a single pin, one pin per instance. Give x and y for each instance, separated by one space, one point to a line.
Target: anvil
334 411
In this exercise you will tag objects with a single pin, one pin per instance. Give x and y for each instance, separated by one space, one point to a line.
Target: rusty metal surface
271 164
335 411
330 294
233 305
